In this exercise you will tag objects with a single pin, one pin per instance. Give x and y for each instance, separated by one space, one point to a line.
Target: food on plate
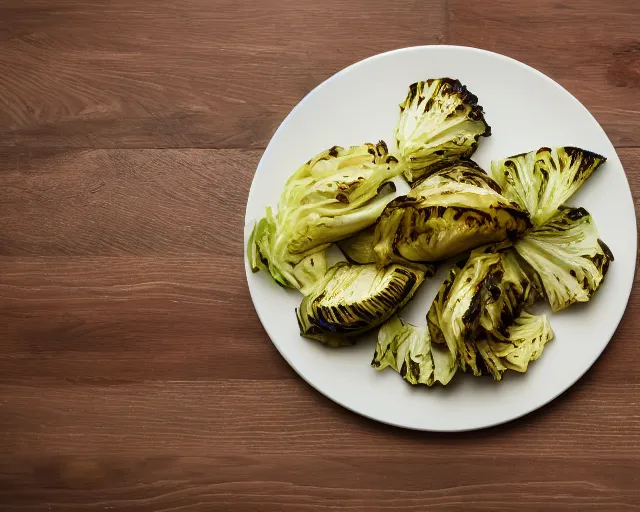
524 343
353 299
453 210
515 239
481 297
334 195
567 255
408 350
440 123
543 180
266 251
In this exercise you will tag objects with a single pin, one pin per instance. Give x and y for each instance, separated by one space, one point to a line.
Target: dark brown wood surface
134 373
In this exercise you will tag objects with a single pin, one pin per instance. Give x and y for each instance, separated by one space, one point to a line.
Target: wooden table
135 374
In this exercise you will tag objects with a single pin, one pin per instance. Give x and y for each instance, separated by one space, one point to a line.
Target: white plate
526 110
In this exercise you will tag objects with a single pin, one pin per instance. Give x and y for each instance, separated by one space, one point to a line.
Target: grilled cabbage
301 271
334 195
524 343
448 213
482 295
568 256
440 123
525 242
408 350
352 299
543 180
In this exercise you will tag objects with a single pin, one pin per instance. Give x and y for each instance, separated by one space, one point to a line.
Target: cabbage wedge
440 123
407 349
334 195
481 295
543 180
353 299
524 343
301 271
446 214
568 256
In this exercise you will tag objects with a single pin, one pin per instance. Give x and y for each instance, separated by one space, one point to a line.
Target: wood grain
176 444
135 374
194 73
122 202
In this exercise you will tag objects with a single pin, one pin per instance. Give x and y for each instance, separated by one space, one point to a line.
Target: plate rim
486 425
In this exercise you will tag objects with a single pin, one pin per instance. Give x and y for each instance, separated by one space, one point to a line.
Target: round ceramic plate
526 110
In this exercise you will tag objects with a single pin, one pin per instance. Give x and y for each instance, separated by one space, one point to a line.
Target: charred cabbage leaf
541 181
334 195
448 213
506 291
524 343
481 296
440 123
352 299
301 271
408 350
568 256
